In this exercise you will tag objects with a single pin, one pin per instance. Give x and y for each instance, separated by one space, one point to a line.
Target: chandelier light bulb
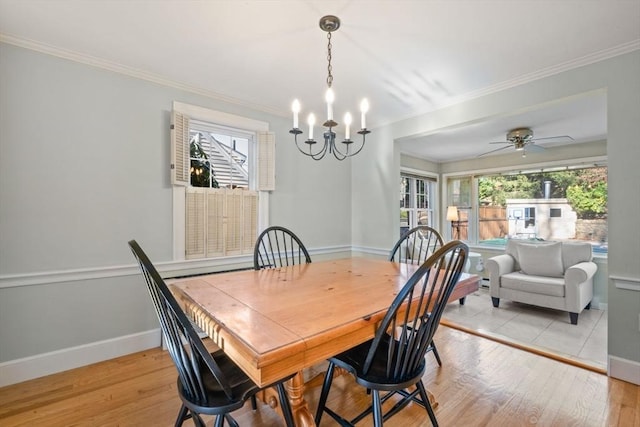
364 107
329 97
311 120
347 123
295 107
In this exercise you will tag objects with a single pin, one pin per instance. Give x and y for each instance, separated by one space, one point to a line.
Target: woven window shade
180 149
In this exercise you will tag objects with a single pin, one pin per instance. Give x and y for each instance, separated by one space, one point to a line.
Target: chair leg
285 405
254 402
326 385
377 408
182 416
232 422
427 404
435 353
219 421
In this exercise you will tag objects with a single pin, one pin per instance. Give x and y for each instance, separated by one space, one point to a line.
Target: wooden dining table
276 322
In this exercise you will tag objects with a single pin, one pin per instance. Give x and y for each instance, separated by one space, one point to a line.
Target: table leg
302 416
301 413
432 400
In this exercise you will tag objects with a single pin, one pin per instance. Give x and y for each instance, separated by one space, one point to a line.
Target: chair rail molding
167 269
628 283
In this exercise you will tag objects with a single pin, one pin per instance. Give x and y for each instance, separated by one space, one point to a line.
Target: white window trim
179 192
436 188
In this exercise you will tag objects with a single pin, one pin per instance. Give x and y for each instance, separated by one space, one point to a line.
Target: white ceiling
406 57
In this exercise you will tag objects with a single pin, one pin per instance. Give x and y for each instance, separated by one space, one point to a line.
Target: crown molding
154 78
589 59
132 72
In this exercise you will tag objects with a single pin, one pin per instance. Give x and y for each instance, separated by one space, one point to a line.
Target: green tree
200 165
584 189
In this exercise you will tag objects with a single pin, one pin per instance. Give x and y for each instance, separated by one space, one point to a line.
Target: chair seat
377 377
217 401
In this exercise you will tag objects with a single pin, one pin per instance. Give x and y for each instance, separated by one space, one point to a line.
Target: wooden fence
492 222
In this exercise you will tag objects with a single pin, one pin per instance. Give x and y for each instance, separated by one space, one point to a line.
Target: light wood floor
482 383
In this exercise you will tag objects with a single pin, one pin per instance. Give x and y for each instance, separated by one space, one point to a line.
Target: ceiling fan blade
531 147
492 151
501 142
564 137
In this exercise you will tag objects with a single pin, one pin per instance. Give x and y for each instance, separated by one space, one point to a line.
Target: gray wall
84 167
619 78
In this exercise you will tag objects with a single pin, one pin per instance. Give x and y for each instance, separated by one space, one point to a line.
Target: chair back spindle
415 313
416 245
279 247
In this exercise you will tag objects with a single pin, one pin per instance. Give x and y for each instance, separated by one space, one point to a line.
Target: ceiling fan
522 140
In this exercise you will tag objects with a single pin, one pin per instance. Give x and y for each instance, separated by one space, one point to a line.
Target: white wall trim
166 269
624 369
15 371
384 252
628 283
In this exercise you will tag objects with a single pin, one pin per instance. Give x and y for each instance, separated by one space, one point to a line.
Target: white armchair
556 275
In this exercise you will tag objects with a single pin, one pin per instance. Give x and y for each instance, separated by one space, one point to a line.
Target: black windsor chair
208 383
278 247
414 247
394 359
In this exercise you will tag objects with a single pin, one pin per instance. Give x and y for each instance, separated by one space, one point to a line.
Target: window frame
432 181
473 238
257 179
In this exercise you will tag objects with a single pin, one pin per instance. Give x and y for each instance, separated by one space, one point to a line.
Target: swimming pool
501 242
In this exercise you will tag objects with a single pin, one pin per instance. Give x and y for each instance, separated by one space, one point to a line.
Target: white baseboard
623 369
15 371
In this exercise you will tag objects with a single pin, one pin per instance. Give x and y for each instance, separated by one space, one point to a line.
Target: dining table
274 323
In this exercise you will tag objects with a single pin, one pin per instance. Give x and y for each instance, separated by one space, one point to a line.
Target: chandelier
330 24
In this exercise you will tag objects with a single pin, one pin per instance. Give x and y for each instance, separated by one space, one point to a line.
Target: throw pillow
541 260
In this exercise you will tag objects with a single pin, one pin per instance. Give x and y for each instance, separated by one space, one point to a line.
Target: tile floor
544 328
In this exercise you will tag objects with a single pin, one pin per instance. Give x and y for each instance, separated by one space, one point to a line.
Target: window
417 198
555 213
219 156
220 164
564 203
459 195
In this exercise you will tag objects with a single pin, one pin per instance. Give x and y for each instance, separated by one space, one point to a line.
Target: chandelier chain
329 75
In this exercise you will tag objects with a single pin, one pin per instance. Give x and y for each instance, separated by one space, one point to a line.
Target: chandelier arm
320 154
362 132
297 132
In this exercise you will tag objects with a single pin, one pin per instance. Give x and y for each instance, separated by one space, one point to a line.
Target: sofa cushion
541 260
533 284
576 252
